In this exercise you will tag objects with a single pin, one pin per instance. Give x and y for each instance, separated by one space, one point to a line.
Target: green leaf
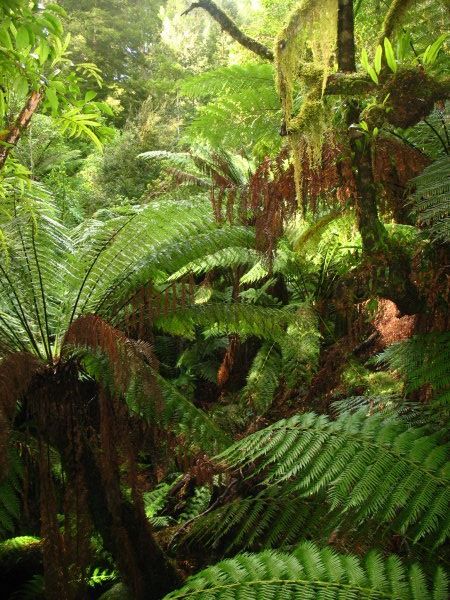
365 60
390 57
403 45
5 39
89 95
55 23
22 38
56 9
377 60
372 74
43 50
105 108
20 85
52 99
431 53
2 105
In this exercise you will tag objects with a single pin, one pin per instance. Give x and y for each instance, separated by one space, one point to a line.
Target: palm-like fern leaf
372 468
423 360
431 199
244 112
263 378
313 573
268 520
226 319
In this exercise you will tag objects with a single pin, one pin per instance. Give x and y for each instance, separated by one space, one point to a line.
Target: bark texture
13 134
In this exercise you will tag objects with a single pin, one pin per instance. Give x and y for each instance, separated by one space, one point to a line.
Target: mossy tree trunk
391 269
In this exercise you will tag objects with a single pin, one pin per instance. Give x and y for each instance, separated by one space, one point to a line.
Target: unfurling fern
370 467
311 573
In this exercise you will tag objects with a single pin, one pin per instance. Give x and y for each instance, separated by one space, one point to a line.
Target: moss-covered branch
394 16
231 28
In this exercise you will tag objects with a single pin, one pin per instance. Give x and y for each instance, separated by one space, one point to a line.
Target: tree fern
313 573
371 468
245 111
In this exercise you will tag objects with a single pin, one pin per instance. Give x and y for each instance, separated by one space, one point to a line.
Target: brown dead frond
16 372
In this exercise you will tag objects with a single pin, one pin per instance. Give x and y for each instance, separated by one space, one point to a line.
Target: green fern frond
196 504
226 319
245 110
10 494
177 414
423 360
263 378
314 573
223 259
234 78
430 201
33 589
268 520
371 467
300 347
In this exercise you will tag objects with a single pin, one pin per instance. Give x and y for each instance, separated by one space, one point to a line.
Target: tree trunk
68 414
12 135
127 535
390 266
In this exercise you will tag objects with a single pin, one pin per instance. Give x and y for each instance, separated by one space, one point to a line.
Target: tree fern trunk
127 536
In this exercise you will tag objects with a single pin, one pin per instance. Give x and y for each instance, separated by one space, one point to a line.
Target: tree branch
12 135
231 28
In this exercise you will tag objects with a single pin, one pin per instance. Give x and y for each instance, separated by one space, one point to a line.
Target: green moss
360 381
394 16
18 549
411 96
374 116
310 33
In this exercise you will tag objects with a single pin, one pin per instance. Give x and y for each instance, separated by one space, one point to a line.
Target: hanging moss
303 55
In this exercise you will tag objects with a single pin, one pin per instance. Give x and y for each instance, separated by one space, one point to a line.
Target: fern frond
10 493
268 520
263 378
314 573
245 111
226 319
430 201
423 360
234 78
372 468
300 347
177 414
223 259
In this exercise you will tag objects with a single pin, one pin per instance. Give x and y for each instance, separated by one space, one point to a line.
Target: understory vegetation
224 300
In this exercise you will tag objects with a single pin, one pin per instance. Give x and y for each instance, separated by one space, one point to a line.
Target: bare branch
231 28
